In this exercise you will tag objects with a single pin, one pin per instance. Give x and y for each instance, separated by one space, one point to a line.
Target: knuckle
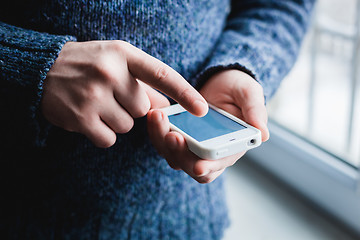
106 65
200 170
120 47
96 136
104 69
94 93
162 73
141 110
204 179
125 126
106 143
119 44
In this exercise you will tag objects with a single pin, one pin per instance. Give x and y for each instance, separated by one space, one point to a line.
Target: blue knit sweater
55 184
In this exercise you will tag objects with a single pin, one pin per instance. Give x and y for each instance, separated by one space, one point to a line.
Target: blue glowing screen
213 124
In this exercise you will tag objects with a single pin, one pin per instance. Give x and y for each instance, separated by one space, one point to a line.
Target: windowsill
263 208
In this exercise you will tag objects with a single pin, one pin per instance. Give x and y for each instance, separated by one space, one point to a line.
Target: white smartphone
216 135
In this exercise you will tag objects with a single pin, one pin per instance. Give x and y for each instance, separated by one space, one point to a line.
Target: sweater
56 184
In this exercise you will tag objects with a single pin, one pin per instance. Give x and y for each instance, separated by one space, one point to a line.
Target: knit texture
55 184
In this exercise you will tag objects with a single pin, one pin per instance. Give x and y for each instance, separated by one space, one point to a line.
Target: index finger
165 79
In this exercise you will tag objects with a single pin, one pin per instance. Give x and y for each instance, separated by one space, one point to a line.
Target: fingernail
201 105
158 116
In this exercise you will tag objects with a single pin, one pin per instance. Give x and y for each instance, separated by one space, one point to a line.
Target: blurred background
319 100
305 182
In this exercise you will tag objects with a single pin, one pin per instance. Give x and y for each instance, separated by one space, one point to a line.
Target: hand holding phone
232 90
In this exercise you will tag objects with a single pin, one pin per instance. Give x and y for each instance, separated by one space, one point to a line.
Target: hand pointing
97 88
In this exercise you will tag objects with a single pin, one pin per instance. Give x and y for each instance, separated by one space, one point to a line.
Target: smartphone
216 135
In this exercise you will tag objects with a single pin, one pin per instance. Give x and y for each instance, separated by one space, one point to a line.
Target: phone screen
213 124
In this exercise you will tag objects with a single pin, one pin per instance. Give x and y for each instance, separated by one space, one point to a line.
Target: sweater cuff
28 57
41 124
202 78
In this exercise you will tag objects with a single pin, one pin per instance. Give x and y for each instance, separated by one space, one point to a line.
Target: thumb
257 117
158 127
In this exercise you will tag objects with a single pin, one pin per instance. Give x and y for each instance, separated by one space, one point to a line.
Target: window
315 116
320 100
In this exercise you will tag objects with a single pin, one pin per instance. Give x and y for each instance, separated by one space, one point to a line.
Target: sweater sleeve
25 58
261 38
